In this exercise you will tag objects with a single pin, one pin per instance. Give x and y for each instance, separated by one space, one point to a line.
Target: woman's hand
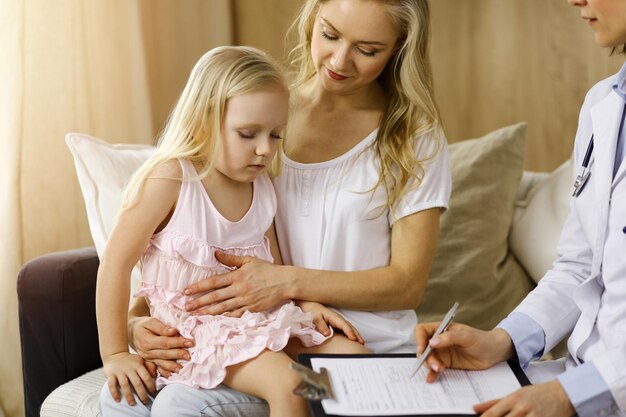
128 372
462 347
158 343
324 316
547 399
255 285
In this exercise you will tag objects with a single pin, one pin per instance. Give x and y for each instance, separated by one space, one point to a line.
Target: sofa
497 239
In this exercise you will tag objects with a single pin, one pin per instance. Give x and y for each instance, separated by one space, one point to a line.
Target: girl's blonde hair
407 79
193 128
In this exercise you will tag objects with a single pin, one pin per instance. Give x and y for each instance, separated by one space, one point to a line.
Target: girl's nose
577 2
263 146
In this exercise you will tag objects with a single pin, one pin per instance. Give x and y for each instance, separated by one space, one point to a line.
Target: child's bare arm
129 238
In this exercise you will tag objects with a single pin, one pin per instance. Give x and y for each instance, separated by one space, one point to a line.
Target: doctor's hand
462 347
254 285
547 399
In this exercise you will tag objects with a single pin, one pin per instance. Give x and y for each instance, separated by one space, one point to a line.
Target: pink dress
183 253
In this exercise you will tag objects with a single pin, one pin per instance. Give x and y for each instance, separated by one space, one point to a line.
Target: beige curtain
11 254
109 68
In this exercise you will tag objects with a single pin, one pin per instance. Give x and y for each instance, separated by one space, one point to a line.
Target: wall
495 63
499 62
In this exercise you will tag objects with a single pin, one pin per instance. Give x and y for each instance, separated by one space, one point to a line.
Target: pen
442 328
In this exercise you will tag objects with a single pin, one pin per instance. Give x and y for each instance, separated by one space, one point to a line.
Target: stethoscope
585 172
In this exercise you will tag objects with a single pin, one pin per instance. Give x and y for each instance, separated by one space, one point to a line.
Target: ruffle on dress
202 253
224 341
174 261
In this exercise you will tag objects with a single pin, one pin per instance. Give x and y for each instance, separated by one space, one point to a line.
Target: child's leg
110 408
180 400
269 376
336 344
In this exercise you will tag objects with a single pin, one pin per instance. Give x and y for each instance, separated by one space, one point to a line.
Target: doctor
585 291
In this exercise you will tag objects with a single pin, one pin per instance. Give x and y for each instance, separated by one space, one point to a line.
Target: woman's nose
340 59
577 2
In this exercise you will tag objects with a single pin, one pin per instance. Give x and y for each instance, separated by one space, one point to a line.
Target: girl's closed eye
276 135
246 134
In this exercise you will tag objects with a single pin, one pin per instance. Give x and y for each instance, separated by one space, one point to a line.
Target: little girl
207 189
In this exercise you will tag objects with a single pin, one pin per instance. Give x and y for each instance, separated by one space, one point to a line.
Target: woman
583 293
365 177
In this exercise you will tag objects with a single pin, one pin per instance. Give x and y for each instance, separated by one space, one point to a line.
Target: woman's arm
274 248
155 341
256 285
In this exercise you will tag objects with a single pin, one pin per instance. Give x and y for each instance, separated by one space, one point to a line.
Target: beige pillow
473 265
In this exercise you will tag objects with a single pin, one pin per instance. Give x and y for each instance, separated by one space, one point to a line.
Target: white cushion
79 397
539 219
528 182
103 172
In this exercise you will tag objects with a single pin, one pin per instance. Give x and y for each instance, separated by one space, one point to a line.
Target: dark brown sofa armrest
59 337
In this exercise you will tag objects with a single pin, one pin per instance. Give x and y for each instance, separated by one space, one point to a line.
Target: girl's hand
128 372
255 285
159 344
462 347
547 399
324 316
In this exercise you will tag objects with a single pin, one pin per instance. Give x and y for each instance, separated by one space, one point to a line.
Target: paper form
375 386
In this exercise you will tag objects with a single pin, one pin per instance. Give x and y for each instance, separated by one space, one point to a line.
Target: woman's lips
590 20
335 76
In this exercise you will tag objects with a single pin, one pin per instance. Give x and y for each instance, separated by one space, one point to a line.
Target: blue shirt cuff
527 336
588 392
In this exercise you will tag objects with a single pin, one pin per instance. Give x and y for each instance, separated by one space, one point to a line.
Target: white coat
585 291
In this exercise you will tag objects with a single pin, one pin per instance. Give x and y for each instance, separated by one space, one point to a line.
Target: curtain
11 251
108 68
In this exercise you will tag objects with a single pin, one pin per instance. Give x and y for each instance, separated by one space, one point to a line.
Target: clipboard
315 405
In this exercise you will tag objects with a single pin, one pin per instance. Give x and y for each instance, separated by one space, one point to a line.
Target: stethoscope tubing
588 153
582 178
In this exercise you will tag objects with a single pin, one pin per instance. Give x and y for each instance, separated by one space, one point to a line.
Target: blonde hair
411 111
193 127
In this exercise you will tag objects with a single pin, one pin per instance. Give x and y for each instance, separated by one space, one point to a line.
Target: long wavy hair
620 49
193 128
407 79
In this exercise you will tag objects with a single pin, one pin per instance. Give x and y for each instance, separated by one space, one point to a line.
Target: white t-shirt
328 219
